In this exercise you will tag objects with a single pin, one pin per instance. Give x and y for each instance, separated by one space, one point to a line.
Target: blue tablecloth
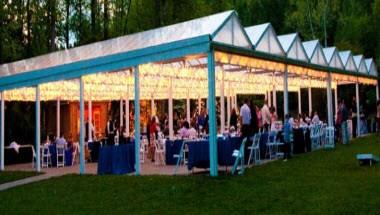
199 154
263 144
94 150
53 155
116 159
172 148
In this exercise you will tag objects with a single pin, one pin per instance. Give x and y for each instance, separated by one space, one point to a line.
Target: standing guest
153 134
245 114
233 118
378 115
287 139
266 116
259 118
254 128
344 124
110 130
315 119
201 120
338 121
273 118
353 117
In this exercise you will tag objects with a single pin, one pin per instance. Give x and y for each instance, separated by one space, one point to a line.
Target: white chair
271 145
45 156
255 149
75 152
330 138
159 154
60 155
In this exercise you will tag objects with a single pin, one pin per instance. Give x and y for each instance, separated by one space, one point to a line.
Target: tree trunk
28 31
94 4
106 19
52 23
67 24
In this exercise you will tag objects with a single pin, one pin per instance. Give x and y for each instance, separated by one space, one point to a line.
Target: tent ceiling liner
223 28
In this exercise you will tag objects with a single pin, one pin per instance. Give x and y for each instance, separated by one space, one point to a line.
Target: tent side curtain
172 33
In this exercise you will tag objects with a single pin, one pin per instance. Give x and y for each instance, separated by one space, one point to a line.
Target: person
273 118
51 139
233 118
153 134
315 119
265 115
89 126
110 130
353 117
61 140
338 122
245 115
201 120
378 115
184 132
344 124
287 139
192 131
259 118
254 127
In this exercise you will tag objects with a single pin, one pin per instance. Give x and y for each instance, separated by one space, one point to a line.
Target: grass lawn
8 176
322 182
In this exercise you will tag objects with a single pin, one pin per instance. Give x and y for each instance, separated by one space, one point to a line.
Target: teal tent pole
357 109
212 114
329 101
137 120
81 127
2 132
38 132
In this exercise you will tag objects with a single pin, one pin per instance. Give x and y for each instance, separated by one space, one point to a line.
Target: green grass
8 176
322 182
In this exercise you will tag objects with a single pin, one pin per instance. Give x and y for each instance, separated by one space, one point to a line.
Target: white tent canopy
314 52
264 39
360 64
348 61
292 45
371 67
333 58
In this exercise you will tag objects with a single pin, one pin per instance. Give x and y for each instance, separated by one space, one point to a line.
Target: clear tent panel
275 46
300 52
232 33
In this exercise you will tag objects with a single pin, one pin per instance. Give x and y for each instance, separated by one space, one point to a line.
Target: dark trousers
287 150
354 126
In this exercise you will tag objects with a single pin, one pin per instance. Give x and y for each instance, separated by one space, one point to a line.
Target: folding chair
60 155
239 155
255 149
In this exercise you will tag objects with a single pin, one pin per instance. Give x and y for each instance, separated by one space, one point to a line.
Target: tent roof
287 41
333 58
210 25
264 39
371 66
314 52
347 60
360 64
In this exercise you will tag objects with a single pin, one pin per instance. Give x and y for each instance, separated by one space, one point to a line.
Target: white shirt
315 119
265 114
245 114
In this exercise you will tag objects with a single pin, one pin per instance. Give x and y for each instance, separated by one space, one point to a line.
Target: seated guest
61 140
184 132
51 139
315 119
192 131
